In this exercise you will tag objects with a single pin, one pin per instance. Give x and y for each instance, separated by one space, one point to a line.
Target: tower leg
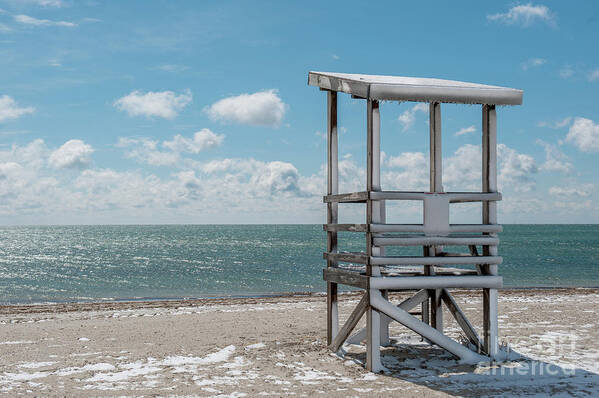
373 341
332 208
435 301
332 312
489 184
491 329
436 185
373 215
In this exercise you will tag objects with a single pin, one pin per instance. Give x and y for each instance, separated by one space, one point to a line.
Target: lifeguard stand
429 274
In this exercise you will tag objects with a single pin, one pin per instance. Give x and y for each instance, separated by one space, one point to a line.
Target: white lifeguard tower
428 275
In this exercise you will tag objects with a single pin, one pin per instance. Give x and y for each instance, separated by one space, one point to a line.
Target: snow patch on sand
23 376
255 346
215 357
132 370
17 342
149 367
35 365
96 367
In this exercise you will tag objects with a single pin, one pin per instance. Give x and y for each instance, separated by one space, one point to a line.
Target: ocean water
83 263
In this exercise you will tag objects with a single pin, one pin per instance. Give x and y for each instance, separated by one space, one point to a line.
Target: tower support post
489 215
436 185
373 215
332 211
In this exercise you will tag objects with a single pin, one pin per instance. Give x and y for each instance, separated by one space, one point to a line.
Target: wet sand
275 346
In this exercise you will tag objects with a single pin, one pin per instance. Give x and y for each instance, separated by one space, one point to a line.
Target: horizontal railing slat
453 197
362 258
440 260
435 240
436 282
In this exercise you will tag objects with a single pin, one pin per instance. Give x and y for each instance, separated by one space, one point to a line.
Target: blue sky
199 112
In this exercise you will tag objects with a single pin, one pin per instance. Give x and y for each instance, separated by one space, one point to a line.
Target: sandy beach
275 347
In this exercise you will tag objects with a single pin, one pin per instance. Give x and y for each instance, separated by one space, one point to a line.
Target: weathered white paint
453 228
436 222
399 88
332 211
453 197
435 260
437 282
373 215
489 184
436 215
419 240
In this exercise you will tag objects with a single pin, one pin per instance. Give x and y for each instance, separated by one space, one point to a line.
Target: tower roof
400 88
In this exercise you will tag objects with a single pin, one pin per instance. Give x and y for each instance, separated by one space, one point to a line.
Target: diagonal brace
406 305
461 319
350 324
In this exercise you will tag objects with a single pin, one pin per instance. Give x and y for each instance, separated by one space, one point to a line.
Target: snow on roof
399 88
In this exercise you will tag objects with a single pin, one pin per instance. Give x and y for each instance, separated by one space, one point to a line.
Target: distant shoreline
139 303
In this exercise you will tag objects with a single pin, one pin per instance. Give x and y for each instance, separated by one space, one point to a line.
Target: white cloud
228 190
9 169
72 154
407 160
582 190
24 180
165 104
171 68
222 165
557 124
260 178
145 150
32 154
465 130
250 190
462 170
27 20
514 170
413 171
114 191
584 134
277 177
264 108
91 20
202 140
148 151
525 15
594 75
532 63
46 3
351 176
408 117
569 208
10 110
555 159
4 28
566 72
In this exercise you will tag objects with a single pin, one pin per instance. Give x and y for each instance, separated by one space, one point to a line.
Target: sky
150 112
